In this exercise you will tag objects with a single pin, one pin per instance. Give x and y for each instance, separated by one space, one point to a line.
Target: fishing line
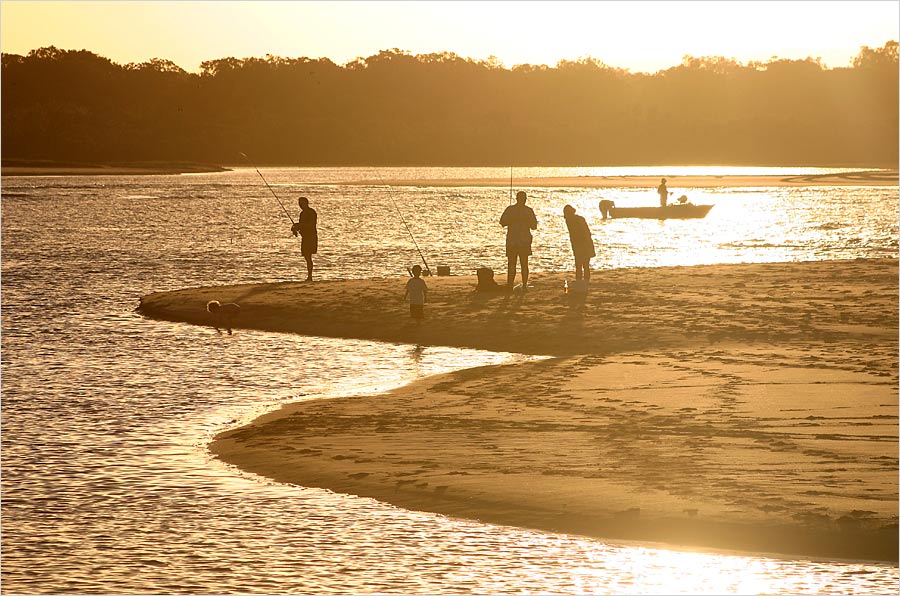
510 148
244 155
400 213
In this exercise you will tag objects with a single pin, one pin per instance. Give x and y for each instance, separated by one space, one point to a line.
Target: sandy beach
742 407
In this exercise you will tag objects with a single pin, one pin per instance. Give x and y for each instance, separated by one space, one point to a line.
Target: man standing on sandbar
518 220
309 236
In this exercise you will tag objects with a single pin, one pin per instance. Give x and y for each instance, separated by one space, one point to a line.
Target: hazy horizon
343 63
637 36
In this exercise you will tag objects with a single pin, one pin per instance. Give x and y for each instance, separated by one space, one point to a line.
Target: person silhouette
606 208
417 293
519 220
309 235
663 193
582 243
223 315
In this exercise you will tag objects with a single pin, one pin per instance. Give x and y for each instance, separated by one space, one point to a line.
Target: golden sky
640 35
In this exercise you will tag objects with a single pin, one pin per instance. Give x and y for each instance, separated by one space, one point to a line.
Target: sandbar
50 168
854 179
746 407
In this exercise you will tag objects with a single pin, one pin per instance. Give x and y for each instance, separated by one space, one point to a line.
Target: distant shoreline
52 168
855 178
862 177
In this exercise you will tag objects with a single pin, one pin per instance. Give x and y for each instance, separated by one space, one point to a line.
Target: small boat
681 210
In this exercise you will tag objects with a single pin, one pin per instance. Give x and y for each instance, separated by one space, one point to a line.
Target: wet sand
746 407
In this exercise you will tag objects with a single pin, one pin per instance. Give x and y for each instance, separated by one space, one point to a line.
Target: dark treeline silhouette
440 109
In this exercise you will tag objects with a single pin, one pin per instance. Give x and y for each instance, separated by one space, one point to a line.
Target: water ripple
107 483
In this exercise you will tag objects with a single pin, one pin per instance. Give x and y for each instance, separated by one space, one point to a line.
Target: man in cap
309 236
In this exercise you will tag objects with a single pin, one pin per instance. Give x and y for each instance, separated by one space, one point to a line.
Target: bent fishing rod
244 155
400 213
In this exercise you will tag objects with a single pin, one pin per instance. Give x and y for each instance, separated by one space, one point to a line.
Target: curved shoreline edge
736 407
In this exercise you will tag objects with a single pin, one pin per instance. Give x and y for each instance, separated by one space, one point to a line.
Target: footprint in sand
632 513
401 483
358 475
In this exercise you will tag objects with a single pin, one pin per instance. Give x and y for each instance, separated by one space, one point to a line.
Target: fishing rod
244 155
400 213
510 184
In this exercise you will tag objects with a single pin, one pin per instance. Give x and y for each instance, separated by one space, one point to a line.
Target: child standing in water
417 293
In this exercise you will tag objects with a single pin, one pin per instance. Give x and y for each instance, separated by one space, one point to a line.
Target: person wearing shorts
417 294
582 243
309 236
519 220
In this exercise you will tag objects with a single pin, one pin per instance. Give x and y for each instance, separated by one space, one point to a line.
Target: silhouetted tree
397 108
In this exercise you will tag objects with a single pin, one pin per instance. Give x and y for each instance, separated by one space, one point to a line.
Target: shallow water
107 484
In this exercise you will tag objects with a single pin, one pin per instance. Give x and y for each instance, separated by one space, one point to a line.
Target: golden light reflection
663 571
595 567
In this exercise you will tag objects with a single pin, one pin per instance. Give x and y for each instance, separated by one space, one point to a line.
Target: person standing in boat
663 193
582 243
309 235
519 220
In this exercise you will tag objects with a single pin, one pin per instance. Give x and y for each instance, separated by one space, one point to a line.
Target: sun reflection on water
107 484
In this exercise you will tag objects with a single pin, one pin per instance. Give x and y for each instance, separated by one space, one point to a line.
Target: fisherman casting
309 236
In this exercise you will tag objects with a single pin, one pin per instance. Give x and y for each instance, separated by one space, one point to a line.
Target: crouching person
223 315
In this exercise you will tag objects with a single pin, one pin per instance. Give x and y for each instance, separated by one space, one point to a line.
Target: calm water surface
107 484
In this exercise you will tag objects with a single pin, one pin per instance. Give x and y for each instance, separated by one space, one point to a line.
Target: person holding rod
663 193
309 235
519 220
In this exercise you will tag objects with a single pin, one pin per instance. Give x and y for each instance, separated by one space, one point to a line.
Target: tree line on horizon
394 108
